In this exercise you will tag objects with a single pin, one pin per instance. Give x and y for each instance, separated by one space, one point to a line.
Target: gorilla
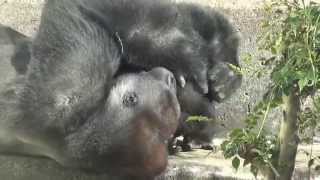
80 119
189 99
221 41
93 96
195 43
128 134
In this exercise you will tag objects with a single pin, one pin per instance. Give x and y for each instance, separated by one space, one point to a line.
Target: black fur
71 108
193 42
62 105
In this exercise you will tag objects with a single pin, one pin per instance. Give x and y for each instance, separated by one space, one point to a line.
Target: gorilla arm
70 71
222 42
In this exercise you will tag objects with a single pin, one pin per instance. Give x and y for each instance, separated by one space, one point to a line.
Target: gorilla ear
234 39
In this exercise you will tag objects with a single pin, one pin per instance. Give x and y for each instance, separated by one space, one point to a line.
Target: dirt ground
204 163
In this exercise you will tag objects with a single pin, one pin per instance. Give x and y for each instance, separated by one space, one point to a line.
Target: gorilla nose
164 75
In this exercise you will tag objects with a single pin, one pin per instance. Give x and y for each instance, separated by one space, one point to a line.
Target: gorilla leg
194 103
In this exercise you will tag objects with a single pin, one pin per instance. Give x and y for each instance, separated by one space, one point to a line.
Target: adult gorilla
71 107
196 43
68 106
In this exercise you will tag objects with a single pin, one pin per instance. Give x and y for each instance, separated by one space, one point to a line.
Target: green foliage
250 68
255 150
291 36
197 118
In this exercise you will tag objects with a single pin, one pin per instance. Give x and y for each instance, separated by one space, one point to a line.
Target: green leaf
235 69
302 83
236 132
224 145
317 168
247 58
197 118
236 163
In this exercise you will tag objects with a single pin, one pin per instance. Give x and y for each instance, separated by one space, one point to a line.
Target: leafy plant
291 36
255 150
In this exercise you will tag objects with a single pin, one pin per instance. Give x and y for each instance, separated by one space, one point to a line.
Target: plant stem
265 115
288 136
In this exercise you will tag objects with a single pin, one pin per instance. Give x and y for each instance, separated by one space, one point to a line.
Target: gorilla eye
130 99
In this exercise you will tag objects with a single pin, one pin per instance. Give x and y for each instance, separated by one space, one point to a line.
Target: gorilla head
129 133
70 107
126 135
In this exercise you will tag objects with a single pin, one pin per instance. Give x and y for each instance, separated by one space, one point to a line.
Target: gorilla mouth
164 127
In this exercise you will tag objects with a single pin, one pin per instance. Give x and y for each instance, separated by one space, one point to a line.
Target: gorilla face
129 134
126 135
144 112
